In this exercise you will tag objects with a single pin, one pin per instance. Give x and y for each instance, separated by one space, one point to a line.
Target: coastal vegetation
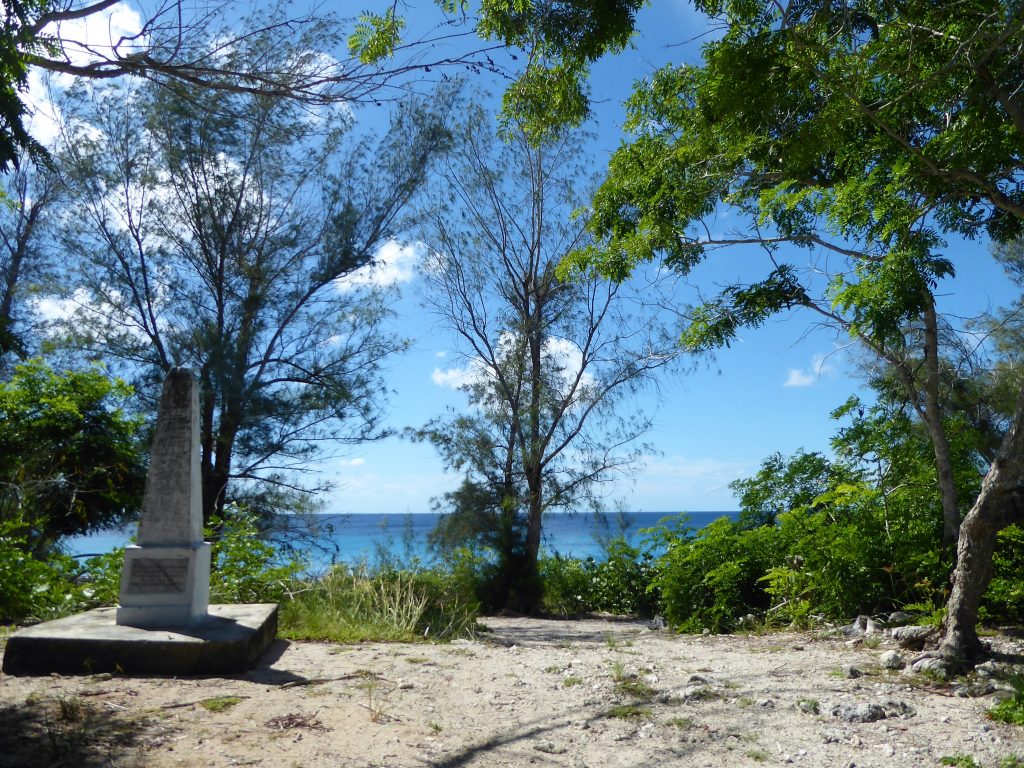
220 223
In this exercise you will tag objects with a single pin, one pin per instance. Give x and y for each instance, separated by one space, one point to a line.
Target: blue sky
772 391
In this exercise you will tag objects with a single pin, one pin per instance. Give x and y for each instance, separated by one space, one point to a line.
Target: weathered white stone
932 666
166 578
891 660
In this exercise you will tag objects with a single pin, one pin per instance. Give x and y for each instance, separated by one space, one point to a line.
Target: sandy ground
528 693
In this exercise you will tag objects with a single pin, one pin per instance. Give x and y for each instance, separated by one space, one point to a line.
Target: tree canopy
224 238
863 132
549 364
70 454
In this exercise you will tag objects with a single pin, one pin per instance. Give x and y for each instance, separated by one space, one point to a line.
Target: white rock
891 660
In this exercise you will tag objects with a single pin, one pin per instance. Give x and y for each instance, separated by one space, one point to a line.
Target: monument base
230 640
164 586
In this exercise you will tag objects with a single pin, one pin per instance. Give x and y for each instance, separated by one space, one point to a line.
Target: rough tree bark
1000 503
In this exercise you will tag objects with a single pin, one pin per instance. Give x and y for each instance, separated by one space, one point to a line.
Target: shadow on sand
72 731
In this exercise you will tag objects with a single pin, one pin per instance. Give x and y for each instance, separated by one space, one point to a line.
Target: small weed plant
220 703
960 761
1011 709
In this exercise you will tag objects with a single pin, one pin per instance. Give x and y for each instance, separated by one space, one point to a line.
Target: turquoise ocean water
373 537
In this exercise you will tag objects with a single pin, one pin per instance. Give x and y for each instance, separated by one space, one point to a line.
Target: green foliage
814 130
566 583
246 567
781 485
1004 599
18 40
32 589
38 590
618 583
861 534
353 605
561 40
70 459
1011 709
100 578
375 36
710 578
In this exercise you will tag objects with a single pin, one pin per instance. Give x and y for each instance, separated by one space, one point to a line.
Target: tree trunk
1000 503
933 418
26 226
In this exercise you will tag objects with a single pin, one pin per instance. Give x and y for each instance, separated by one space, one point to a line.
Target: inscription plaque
157 575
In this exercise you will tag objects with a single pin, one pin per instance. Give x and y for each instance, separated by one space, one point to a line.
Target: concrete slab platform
231 640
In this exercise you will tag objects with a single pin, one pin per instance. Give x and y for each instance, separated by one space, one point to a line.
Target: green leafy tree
222 233
782 484
18 41
861 130
547 362
70 456
27 262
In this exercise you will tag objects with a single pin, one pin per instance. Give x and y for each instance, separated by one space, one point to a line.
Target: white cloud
104 34
358 461
457 378
394 263
564 354
675 481
798 378
819 369
393 491
50 309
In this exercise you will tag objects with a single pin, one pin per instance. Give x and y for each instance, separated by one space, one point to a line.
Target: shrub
848 553
1011 709
246 567
32 589
709 578
567 586
620 583
1004 599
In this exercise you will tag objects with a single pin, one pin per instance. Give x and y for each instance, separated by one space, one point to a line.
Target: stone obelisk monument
166 576
164 624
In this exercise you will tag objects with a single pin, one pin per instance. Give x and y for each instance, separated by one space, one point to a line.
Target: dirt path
540 693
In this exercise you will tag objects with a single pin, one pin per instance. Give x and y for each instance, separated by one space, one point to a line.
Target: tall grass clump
354 604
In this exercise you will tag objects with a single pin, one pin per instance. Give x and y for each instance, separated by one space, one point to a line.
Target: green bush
567 586
1011 709
850 552
1004 599
32 589
709 578
620 583
246 567
101 578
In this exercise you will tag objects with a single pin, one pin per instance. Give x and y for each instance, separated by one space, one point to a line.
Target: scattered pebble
549 747
858 713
